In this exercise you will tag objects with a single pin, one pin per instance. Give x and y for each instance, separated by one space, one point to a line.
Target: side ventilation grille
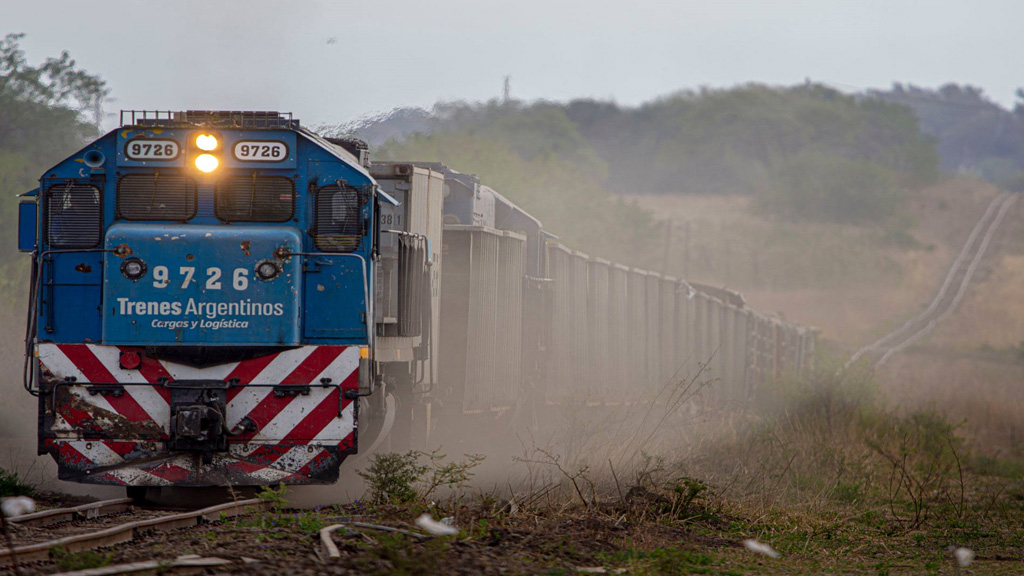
339 220
74 215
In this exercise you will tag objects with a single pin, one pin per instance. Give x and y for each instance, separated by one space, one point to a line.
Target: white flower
759 548
964 556
17 506
434 527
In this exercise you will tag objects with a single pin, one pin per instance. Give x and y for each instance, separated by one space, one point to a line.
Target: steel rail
960 292
83 512
941 306
127 532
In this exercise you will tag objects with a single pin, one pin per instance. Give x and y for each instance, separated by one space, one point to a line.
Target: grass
665 561
395 554
281 523
12 484
82 560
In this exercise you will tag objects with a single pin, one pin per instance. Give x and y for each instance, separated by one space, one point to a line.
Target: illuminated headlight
267 270
206 142
133 268
207 163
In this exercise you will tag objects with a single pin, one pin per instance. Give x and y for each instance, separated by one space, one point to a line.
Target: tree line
46 113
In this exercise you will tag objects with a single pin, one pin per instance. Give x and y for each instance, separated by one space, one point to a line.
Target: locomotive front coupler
197 416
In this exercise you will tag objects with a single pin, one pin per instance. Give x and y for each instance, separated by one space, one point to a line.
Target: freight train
230 298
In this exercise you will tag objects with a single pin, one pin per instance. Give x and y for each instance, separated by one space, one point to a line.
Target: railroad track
89 526
950 294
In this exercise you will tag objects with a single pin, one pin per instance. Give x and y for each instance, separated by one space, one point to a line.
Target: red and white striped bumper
105 424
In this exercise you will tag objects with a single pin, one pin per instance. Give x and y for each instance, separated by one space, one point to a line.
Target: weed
11 484
685 491
1001 468
848 492
394 554
275 496
277 525
663 561
82 560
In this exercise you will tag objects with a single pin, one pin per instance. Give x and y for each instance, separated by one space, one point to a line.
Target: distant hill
379 127
805 151
973 133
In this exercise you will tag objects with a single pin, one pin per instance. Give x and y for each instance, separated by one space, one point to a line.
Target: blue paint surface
200 285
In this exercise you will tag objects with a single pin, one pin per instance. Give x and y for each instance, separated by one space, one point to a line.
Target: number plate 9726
151 149
260 151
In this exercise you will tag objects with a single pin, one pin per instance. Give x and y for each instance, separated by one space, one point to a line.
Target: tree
46 113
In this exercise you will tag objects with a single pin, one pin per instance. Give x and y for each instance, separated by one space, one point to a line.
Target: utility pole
668 245
507 91
686 251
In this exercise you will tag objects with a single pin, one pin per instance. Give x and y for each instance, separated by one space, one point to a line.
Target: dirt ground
635 534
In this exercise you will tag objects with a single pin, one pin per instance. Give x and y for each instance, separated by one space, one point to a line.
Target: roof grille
216 118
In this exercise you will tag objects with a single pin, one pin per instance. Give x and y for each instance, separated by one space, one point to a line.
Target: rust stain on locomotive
104 422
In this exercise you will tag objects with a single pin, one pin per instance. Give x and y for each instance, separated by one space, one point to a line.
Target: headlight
267 270
206 142
133 268
207 163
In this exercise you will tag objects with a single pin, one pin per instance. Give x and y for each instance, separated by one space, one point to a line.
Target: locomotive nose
235 285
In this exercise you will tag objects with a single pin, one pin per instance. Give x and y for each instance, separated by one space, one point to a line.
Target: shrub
815 186
393 478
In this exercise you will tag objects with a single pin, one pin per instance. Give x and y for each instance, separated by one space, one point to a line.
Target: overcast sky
333 60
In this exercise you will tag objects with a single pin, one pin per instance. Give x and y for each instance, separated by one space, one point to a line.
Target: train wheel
137 494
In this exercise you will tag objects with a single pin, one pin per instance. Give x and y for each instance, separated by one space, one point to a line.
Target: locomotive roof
234 119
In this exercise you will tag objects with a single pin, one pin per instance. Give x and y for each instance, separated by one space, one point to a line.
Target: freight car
229 298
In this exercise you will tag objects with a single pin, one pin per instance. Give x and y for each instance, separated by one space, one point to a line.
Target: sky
334 60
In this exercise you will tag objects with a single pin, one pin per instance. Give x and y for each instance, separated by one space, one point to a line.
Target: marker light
267 270
133 268
130 360
206 142
207 163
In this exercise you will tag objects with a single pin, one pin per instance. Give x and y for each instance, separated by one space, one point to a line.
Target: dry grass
993 312
852 282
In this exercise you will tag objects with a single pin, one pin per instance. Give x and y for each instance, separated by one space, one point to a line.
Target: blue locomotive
229 298
201 310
